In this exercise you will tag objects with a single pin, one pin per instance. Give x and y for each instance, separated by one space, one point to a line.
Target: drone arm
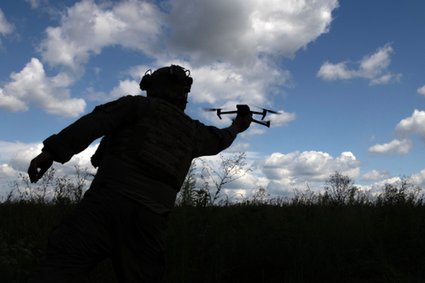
264 123
264 114
219 113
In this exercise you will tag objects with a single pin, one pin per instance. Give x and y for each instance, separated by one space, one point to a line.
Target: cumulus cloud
295 169
413 124
216 31
86 28
395 146
221 83
421 90
5 27
207 31
11 103
14 159
418 178
32 85
283 118
375 175
236 31
372 67
229 45
124 87
17 153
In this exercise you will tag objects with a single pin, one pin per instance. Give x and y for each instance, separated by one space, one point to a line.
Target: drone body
263 114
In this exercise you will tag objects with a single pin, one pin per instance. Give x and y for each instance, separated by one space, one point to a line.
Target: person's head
169 83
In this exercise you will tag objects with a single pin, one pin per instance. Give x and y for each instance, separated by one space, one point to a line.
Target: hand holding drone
263 114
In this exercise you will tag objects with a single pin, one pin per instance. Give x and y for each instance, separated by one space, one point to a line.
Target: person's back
148 158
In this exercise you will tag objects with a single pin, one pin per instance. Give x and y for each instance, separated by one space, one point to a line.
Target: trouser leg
140 256
107 225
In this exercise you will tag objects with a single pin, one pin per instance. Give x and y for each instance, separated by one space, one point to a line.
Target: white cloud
372 67
329 71
222 31
377 187
221 83
7 176
14 159
283 118
32 84
421 90
11 103
124 87
376 175
237 31
296 169
413 124
395 146
418 178
86 28
5 27
230 45
18 153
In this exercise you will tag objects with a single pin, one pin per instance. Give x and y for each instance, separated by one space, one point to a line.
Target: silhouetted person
147 148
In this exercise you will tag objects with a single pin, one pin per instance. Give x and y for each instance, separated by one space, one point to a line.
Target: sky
346 76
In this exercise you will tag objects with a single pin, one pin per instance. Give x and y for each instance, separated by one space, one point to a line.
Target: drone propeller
211 109
272 111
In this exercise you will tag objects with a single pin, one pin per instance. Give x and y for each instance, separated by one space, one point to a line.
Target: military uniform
147 148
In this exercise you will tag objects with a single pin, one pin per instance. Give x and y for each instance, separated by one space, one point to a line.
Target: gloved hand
243 118
39 165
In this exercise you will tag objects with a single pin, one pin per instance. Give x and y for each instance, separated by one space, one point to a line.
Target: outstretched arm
212 140
79 135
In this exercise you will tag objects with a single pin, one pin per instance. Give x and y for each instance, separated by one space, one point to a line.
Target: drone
239 107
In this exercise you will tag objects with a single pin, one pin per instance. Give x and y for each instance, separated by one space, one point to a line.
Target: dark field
292 242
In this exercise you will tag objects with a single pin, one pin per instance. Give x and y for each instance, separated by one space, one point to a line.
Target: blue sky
348 77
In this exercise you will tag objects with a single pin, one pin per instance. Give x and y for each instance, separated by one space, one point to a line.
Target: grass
253 243
24 227
298 244
340 235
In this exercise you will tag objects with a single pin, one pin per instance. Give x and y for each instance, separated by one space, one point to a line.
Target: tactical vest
160 142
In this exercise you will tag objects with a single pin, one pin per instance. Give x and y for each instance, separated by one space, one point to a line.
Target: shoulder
133 99
128 100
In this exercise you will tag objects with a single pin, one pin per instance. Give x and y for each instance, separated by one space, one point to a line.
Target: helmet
165 77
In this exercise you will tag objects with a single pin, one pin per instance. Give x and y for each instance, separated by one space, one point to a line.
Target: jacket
147 147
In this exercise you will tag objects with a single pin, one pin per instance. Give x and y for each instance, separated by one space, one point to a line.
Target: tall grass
297 243
315 237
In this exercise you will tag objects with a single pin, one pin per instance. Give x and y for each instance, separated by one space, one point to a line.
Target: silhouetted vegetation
341 234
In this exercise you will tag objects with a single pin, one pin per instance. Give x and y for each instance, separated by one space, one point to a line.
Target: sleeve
211 140
103 120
